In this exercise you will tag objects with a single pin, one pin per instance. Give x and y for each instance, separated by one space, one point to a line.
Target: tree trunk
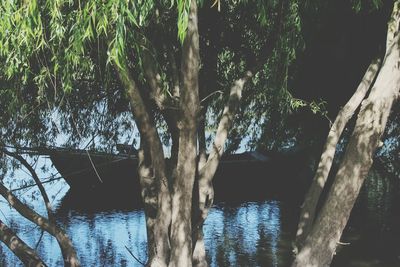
199 250
152 174
206 173
181 228
320 245
309 206
25 253
67 249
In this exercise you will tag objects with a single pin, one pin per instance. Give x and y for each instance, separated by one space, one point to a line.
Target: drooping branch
67 249
37 181
308 210
26 254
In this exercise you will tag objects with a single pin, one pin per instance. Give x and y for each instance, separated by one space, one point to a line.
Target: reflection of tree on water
250 235
103 240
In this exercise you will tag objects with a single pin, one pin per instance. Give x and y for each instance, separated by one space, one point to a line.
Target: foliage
59 59
359 5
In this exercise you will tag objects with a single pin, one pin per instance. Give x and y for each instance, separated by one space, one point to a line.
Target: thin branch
211 94
67 250
40 239
87 151
133 256
32 185
36 179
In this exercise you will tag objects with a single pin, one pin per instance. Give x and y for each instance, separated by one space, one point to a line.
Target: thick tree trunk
308 210
181 228
67 249
320 245
25 253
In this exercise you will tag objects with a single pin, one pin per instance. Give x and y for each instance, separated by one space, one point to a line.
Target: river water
245 233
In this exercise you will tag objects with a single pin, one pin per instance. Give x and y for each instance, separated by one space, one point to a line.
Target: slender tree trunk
320 245
25 253
181 228
309 206
155 190
149 197
206 173
67 249
199 250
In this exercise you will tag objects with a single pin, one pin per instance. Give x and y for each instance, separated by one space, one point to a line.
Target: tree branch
37 181
308 211
67 249
26 254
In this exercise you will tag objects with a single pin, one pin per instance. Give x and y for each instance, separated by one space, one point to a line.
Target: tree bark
181 228
207 171
199 250
308 210
67 249
320 245
156 195
25 253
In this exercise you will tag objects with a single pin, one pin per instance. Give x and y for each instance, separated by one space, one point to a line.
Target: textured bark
155 193
320 245
25 253
308 210
207 171
199 251
37 181
67 249
181 228
149 197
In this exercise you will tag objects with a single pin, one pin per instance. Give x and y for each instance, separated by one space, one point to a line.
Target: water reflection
234 236
242 234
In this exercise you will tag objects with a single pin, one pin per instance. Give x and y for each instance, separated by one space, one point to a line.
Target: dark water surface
252 233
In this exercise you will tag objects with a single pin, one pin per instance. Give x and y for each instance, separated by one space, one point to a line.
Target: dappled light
191 133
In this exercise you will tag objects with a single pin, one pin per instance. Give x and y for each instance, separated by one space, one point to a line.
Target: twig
130 252
213 93
87 152
5 217
40 239
32 185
